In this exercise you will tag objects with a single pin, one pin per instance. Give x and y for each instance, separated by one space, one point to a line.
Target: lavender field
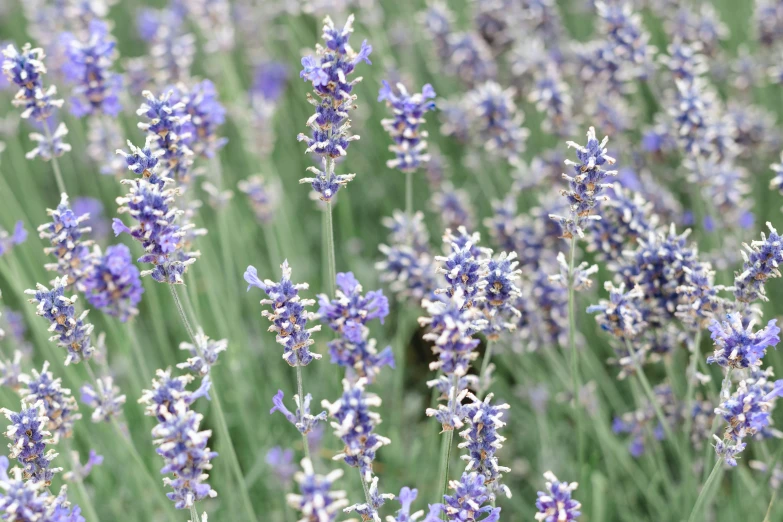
366 260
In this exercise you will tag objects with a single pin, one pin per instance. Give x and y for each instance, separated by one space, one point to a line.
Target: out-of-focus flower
9 241
113 284
302 419
26 69
203 114
88 67
498 124
410 144
282 464
316 499
78 471
263 196
203 354
105 399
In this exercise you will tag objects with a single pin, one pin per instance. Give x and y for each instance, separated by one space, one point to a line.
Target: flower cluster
587 184
105 399
152 205
289 315
348 314
88 66
71 331
60 407
482 440
29 438
9 241
180 441
747 413
24 499
113 284
316 500
410 145
354 423
643 422
263 196
499 125
408 266
500 294
166 123
201 113
328 72
470 500
64 235
203 354
302 419
621 315
737 345
761 263
465 268
26 70
555 504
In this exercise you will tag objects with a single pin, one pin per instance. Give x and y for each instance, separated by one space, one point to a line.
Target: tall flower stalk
330 135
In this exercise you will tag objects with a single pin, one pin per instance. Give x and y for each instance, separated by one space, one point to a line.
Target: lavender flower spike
316 500
64 235
406 497
330 126
410 144
355 424
302 419
72 332
203 355
113 284
289 315
587 184
105 399
470 500
60 407
482 440
737 345
26 70
555 504
762 260
29 438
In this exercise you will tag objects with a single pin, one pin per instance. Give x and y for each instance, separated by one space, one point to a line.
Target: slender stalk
367 496
576 384
330 249
771 502
221 419
446 443
137 351
193 513
484 367
409 195
691 386
58 176
705 495
300 391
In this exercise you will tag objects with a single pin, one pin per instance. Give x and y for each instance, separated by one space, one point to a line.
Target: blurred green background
614 487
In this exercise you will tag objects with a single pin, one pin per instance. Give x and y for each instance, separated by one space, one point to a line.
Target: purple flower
105 399
203 354
8 242
761 263
78 471
264 197
500 294
482 440
88 67
316 499
470 500
113 285
587 184
408 266
410 145
71 331
270 80
355 424
289 315
25 499
465 268
330 127
166 122
622 315
555 504
737 345
304 421
498 124
406 498
29 438
747 411
26 69
281 462
99 226
64 234
201 116
60 408
350 305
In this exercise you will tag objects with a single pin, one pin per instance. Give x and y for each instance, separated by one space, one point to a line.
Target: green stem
194 513
367 496
86 502
771 502
409 195
330 245
447 441
705 495
300 391
58 176
221 419
484 367
576 385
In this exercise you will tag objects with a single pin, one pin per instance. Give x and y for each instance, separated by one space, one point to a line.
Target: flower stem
446 443
649 391
58 176
300 391
484 367
705 495
193 513
575 379
221 419
409 195
86 501
771 502
330 249
691 385
367 496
